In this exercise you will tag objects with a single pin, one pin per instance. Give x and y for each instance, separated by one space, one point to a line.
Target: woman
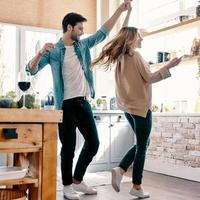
134 95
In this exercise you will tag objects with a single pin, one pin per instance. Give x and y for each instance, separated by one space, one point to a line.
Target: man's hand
125 6
46 48
113 19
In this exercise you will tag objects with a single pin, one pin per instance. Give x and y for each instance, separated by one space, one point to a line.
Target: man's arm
112 21
40 60
101 34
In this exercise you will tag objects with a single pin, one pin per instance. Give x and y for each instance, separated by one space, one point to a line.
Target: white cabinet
102 123
116 137
122 137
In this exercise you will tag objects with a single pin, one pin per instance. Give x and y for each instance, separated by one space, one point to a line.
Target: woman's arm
126 20
153 77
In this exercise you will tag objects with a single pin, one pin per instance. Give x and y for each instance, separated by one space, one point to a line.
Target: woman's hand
129 6
174 62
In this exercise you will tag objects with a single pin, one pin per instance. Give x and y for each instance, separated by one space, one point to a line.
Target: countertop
165 114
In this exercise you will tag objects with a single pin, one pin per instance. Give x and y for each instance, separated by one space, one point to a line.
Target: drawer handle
10 133
96 117
119 118
111 125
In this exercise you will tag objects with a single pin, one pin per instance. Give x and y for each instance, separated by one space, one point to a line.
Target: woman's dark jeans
136 155
77 113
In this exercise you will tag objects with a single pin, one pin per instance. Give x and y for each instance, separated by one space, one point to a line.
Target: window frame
20 45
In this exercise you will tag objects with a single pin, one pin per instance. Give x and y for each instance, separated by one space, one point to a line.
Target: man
73 81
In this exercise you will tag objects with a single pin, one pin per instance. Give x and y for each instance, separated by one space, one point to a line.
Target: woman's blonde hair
122 44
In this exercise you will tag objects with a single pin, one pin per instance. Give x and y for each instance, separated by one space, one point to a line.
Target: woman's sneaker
116 178
70 193
139 193
84 188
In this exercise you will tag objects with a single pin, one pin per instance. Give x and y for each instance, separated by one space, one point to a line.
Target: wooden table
34 145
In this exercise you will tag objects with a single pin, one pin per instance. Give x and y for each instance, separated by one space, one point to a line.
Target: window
8 58
19 44
33 42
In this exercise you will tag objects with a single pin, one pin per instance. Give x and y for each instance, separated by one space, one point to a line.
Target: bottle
37 100
161 107
198 9
195 47
49 104
104 103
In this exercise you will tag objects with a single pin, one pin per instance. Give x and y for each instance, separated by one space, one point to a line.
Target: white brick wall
176 140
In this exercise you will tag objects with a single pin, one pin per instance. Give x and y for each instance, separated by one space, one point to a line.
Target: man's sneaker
83 187
116 178
139 193
69 193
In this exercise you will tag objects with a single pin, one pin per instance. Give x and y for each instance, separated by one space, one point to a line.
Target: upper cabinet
156 14
184 24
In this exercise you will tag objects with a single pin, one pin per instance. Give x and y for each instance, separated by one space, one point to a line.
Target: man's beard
75 37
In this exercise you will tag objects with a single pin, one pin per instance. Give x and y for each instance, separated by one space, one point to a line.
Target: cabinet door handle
111 125
10 133
96 117
119 118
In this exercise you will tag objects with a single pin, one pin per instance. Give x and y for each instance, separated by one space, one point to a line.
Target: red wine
24 85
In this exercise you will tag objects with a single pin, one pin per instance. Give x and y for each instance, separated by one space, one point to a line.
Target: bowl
9 173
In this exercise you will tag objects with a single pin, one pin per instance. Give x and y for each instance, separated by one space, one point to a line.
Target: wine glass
24 83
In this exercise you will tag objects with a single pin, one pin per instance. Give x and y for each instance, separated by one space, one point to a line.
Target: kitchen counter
176 114
31 135
156 114
108 111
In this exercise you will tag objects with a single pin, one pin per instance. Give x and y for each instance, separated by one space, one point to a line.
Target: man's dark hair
72 19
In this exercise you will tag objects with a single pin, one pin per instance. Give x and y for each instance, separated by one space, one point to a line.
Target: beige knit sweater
134 84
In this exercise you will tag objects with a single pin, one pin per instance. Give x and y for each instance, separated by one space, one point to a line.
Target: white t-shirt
75 83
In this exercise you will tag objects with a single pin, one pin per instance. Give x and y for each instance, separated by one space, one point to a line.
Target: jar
104 103
37 100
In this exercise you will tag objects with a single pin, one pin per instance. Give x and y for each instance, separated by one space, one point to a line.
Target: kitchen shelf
184 60
181 24
20 150
35 147
26 180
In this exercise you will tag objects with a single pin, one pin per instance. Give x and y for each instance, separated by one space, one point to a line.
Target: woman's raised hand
173 62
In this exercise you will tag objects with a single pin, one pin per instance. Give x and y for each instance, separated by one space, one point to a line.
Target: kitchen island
31 136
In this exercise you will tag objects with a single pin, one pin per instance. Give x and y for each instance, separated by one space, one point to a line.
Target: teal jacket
56 56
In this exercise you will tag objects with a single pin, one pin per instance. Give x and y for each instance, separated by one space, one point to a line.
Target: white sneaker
83 187
69 193
139 193
116 178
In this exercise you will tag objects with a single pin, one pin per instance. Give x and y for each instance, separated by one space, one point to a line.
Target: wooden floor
159 186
